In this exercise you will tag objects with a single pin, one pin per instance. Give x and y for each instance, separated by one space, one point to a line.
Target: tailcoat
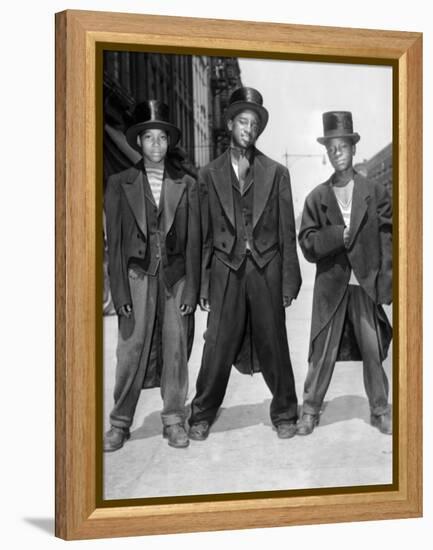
368 254
154 265
128 199
273 221
249 262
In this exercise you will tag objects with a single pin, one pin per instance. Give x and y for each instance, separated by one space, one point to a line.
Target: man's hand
346 236
125 311
287 301
185 310
204 304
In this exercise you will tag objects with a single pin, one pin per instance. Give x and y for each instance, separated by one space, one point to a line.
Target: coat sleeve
117 268
206 236
192 259
292 279
384 215
318 241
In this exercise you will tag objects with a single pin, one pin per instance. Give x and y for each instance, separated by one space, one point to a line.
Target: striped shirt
155 176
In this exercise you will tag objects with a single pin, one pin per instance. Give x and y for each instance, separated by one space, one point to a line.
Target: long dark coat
273 227
128 231
369 254
128 237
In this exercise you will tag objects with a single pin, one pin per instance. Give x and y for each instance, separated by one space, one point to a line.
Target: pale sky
297 93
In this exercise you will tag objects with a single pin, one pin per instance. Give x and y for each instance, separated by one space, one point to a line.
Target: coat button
223 245
223 229
140 253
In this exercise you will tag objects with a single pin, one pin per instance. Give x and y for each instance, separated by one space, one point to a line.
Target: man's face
340 153
154 144
244 128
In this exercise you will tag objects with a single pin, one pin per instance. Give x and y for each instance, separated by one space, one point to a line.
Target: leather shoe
383 422
115 438
199 431
307 424
176 435
286 430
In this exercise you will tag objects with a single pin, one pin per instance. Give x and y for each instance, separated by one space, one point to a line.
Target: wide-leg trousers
359 309
234 295
153 305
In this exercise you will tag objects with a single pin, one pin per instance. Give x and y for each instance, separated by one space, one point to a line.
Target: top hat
243 99
338 124
151 114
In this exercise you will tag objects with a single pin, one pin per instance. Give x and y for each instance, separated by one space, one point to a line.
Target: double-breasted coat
368 254
273 222
273 225
168 241
128 232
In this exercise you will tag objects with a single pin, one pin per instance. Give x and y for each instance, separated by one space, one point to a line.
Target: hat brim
239 106
354 137
133 131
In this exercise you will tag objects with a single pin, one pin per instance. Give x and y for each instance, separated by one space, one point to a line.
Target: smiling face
154 144
340 153
244 128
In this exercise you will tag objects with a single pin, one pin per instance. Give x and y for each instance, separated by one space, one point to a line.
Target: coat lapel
264 178
134 191
329 201
172 193
222 180
359 207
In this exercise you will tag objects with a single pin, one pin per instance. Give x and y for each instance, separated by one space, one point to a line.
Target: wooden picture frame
78 334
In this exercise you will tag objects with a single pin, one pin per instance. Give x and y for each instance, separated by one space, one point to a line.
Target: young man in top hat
250 267
346 230
153 232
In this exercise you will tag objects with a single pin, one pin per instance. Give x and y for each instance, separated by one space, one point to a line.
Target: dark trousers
361 312
234 295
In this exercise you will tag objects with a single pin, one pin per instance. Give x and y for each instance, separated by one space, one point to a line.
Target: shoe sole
315 423
112 449
195 438
375 424
286 436
176 446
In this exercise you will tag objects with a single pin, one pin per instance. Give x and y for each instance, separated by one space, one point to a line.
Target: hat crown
246 94
338 124
338 121
148 115
151 110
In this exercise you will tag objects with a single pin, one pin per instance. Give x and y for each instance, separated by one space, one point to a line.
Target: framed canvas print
238 274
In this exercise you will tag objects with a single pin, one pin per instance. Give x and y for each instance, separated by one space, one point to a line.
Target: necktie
243 168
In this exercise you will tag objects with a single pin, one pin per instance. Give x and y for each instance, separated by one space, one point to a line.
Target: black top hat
151 114
247 98
338 124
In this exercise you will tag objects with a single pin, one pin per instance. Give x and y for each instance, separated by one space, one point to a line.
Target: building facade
379 167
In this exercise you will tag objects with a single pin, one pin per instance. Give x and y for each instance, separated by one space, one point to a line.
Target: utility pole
298 156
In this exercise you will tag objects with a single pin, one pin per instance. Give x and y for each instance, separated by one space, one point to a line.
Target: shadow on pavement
339 409
243 416
347 407
230 418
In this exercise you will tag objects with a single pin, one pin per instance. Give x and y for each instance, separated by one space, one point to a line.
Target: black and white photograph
247 311
199 343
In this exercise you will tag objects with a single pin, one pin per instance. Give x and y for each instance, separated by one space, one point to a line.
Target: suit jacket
369 252
128 231
272 220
